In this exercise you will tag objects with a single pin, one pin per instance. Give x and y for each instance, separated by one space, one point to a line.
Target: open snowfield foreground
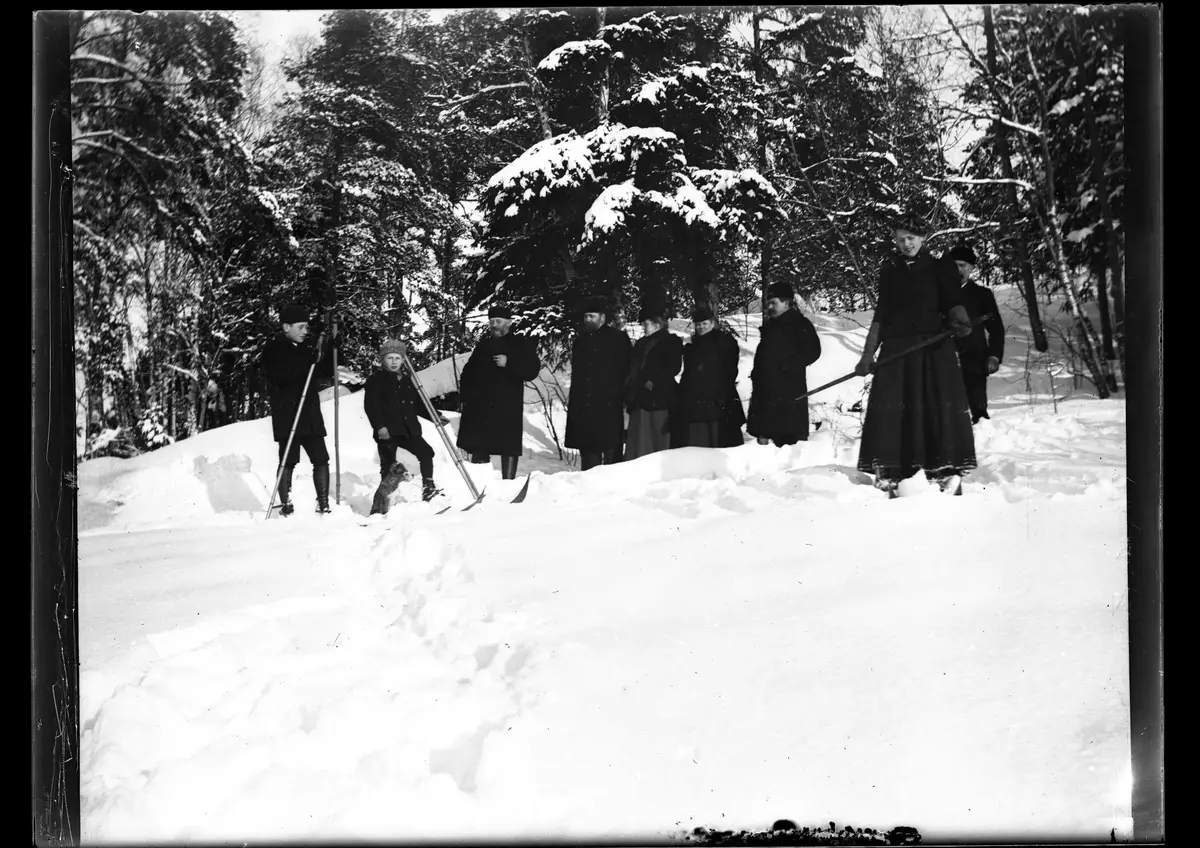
715 638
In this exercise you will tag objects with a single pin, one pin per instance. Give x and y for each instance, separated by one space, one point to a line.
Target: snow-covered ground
713 638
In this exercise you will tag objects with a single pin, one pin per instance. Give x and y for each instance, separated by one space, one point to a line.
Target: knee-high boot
285 489
508 467
321 484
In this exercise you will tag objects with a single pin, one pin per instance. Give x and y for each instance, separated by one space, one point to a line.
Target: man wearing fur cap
286 363
981 352
788 344
492 391
392 405
595 411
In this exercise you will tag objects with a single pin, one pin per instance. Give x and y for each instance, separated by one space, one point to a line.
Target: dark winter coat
915 298
987 339
493 398
391 400
787 346
708 388
285 366
657 358
600 363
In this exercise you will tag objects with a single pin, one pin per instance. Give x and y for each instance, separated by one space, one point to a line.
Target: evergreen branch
128 141
979 181
459 103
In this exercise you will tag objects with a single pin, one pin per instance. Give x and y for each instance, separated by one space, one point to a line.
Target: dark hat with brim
962 253
702 313
500 311
780 291
293 313
651 314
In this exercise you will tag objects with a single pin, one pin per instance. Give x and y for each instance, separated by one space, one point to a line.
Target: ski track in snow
698 637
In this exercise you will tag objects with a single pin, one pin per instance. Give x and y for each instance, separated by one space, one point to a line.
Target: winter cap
912 224
293 313
781 291
595 304
702 313
962 253
391 346
651 314
500 311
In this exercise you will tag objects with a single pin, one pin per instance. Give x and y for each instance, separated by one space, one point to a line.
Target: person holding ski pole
492 389
917 413
980 353
392 405
600 360
286 363
788 345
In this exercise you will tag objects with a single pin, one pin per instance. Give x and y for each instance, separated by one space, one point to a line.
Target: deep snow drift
698 637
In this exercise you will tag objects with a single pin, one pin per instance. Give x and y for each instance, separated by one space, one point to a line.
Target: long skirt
917 414
648 432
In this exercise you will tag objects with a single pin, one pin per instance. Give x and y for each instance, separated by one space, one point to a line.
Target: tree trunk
1100 177
1000 132
1099 274
602 99
766 254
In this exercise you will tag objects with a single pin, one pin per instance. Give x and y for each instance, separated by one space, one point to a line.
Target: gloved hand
650 385
865 366
993 365
959 322
384 435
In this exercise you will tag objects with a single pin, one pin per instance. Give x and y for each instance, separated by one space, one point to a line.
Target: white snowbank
698 637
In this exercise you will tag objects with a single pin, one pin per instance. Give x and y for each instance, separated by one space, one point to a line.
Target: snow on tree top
607 212
582 48
651 91
559 161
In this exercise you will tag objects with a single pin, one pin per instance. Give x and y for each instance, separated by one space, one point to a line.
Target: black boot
429 490
589 459
480 458
612 456
285 488
321 484
396 475
508 467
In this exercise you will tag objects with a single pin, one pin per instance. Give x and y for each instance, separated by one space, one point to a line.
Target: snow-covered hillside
699 637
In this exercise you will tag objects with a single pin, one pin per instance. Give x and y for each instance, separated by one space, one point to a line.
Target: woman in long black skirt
917 416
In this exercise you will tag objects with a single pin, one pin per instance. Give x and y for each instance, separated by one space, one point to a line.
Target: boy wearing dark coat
392 405
788 344
492 391
981 352
595 410
286 363
650 389
917 413
709 407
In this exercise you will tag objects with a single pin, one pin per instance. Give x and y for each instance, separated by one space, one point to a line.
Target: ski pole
893 357
437 422
292 434
337 455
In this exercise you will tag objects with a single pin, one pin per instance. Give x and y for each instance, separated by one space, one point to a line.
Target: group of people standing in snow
630 399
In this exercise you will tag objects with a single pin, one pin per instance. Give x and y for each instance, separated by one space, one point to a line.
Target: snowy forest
401 172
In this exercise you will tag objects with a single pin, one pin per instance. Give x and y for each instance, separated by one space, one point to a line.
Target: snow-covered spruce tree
631 200
350 158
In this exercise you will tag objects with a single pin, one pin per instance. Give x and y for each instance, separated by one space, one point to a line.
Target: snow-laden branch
128 141
460 102
990 225
996 118
980 181
113 63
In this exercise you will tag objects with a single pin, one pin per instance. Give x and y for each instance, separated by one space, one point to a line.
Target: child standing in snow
286 364
392 406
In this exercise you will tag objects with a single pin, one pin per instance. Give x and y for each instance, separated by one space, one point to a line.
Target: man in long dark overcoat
596 410
285 364
788 344
492 391
710 411
981 352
